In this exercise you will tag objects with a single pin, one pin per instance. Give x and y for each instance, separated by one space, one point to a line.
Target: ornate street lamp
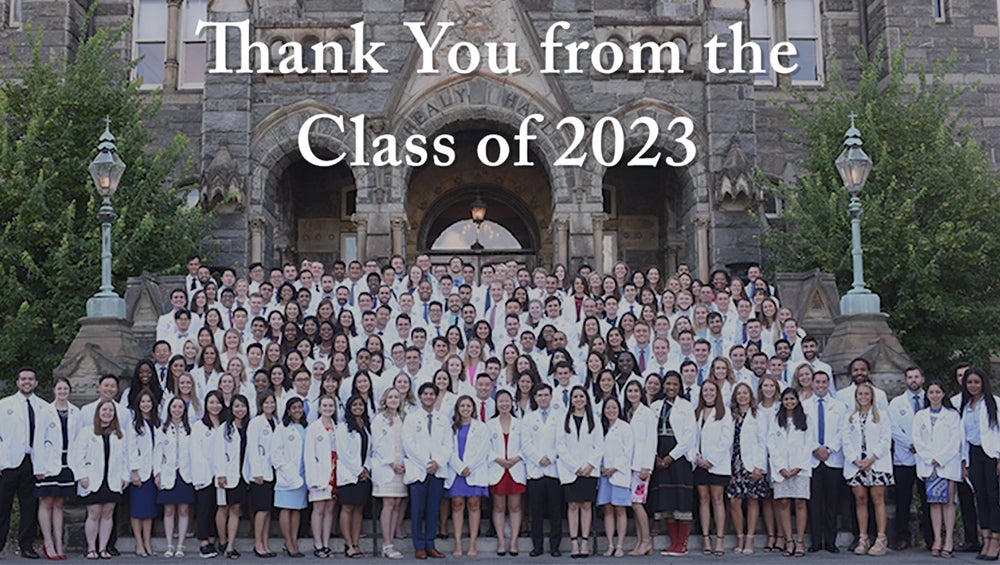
478 215
854 165
106 170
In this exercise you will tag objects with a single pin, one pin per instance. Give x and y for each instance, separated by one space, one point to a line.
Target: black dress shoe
815 548
555 553
535 552
832 548
113 551
29 553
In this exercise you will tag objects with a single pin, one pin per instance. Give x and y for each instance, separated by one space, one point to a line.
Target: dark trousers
983 474
19 482
425 510
205 507
546 500
970 519
826 488
906 478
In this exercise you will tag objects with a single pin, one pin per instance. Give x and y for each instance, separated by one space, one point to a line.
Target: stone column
560 235
597 224
170 74
701 245
257 240
361 227
398 227
781 35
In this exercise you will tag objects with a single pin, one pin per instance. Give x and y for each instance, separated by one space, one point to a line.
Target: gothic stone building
273 206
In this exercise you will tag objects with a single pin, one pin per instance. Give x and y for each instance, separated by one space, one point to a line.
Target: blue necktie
426 317
489 300
822 422
566 398
701 376
916 403
351 300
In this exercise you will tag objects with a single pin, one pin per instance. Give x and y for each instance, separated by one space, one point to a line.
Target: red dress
507 485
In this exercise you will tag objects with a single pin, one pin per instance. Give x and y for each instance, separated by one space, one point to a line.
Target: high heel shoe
50 556
706 542
575 550
642 548
720 546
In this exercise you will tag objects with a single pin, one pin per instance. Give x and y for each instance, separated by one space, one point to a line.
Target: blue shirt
971 422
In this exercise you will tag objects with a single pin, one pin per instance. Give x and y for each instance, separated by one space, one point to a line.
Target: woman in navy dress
142 496
173 473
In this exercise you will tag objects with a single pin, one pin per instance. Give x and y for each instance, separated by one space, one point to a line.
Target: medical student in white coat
672 484
319 452
142 434
938 436
203 473
259 473
230 458
506 470
748 481
427 445
99 459
643 423
290 491
468 471
387 467
713 463
172 471
539 444
790 443
55 432
614 492
867 440
354 461
578 450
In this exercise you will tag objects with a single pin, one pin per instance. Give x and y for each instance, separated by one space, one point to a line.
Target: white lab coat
477 455
420 447
14 432
990 437
87 462
616 452
644 438
140 450
835 411
317 452
226 457
901 416
287 448
202 446
790 448
683 424
351 461
258 458
941 442
878 437
715 442
539 438
753 447
173 455
577 450
384 456
513 449
46 458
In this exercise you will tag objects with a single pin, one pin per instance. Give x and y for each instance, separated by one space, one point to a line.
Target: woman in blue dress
142 496
57 423
290 491
468 478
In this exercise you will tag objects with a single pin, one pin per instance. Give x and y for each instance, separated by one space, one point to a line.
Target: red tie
482 411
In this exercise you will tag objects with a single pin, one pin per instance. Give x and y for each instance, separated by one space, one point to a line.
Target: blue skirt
297 499
143 500
462 489
182 493
608 493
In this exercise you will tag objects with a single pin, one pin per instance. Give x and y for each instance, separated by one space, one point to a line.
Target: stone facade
273 207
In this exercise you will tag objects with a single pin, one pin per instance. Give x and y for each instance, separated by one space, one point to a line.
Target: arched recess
481 98
650 209
502 206
305 208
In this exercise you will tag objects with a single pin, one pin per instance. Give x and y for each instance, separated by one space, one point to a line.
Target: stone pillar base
103 346
868 336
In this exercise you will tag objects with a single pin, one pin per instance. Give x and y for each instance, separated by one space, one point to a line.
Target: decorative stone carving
734 190
222 185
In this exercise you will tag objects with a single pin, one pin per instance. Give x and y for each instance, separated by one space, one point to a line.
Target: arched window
461 236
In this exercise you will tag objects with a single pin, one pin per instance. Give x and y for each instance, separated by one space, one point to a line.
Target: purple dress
460 488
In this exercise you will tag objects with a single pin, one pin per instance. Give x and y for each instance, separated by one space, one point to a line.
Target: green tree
52 116
931 208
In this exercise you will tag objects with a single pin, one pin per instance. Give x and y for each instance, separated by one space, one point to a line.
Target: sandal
169 552
800 548
105 554
789 548
771 542
706 542
740 541
92 555
179 554
935 552
619 551
720 546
